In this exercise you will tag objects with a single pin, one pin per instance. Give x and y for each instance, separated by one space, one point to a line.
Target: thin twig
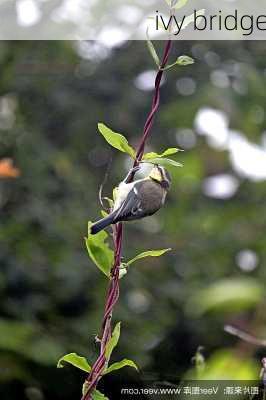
247 337
101 198
113 289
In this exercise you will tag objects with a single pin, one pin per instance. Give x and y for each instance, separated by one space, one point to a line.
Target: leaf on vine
149 253
164 161
176 4
99 251
116 140
75 360
180 4
182 60
152 50
185 60
112 342
121 364
167 152
97 395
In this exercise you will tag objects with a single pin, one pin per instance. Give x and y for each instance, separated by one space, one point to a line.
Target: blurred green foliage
52 96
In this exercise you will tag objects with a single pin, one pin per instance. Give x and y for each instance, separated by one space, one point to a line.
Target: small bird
137 199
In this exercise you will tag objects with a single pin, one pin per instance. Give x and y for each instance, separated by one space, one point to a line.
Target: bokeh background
53 94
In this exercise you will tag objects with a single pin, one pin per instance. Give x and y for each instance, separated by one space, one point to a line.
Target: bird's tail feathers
101 224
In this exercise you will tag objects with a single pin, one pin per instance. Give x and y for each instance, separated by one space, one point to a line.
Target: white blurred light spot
247 260
145 80
248 159
90 50
138 301
112 36
220 79
186 138
186 86
28 12
129 14
213 124
223 186
70 10
212 58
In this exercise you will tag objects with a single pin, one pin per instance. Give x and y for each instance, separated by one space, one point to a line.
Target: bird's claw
135 169
131 171
97 339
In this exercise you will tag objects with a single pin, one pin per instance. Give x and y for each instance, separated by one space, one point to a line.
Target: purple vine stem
113 289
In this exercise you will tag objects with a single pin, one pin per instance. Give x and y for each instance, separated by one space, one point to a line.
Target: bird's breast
122 192
152 195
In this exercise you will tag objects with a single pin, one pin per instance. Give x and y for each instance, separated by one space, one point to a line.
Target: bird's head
160 175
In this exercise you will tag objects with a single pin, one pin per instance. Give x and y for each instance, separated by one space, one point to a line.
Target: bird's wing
131 206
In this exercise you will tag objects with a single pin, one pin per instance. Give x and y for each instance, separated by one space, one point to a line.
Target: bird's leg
131 171
122 264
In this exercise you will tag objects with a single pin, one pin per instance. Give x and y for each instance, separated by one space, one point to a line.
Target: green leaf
176 4
164 161
180 4
85 387
149 253
182 60
121 364
99 251
153 51
168 152
112 342
116 140
97 395
228 295
185 60
75 360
